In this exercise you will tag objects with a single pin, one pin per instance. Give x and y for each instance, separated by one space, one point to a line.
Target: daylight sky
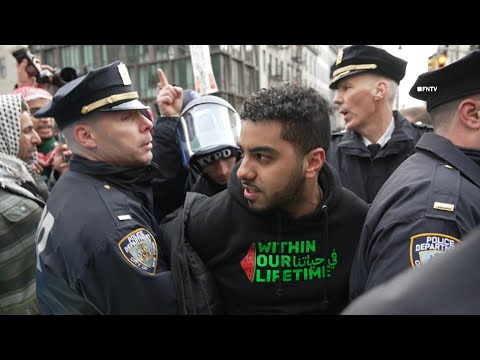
417 57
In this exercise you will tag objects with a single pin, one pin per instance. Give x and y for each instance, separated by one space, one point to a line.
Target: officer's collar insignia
123 71
425 246
443 206
339 56
140 250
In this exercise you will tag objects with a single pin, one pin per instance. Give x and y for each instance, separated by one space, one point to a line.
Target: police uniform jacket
359 170
268 262
428 204
447 286
98 246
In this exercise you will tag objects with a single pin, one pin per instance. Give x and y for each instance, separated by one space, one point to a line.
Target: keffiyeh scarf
11 167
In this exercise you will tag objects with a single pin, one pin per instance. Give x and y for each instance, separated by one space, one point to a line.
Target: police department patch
425 246
140 249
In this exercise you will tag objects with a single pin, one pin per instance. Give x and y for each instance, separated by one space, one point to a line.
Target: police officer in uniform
376 139
447 286
99 250
431 201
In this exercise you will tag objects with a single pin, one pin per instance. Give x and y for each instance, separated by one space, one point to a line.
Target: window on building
264 61
88 57
219 70
183 50
147 81
237 51
3 70
137 54
110 53
162 52
49 58
249 73
183 73
70 56
270 65
236 77
249 54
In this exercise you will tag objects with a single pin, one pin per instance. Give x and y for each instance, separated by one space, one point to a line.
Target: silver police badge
424 247
123 71
140 250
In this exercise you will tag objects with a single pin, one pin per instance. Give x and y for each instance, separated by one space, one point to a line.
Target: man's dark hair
303 112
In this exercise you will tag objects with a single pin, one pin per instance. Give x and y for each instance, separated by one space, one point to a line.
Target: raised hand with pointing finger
169 97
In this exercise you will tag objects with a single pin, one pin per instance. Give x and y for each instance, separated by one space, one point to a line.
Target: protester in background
37 98
431 201
99 249
377 139
417 115
21 204
276 240
49 167
24 79
191 159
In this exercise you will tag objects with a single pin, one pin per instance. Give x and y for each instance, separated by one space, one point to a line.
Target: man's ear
314 162
379 90
469 111
85 136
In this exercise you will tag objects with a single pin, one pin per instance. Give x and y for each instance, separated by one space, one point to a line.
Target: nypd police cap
457 80
108 88
362 58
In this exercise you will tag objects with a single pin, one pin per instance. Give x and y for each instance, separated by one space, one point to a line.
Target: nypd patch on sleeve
140 250
425 246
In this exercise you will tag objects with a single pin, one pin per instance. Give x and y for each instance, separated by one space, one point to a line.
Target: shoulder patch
425 246
140 250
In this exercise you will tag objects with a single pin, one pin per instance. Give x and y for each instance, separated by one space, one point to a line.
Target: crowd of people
208 209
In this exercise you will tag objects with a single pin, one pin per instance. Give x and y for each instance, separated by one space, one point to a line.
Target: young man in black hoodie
281 238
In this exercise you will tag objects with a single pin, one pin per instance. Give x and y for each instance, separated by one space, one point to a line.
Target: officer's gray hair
392 90
392 86
72 143
67 131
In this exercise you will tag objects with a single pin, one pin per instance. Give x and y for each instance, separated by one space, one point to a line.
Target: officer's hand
169 98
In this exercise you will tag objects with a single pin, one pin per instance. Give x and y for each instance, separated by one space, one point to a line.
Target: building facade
239 70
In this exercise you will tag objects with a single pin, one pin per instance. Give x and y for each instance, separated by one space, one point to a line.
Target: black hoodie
270 263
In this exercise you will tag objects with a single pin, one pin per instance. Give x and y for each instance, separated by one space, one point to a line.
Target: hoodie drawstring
279 240
325 251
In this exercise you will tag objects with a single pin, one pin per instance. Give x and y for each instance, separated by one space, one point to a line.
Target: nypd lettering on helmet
140 250
425 246
208 159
